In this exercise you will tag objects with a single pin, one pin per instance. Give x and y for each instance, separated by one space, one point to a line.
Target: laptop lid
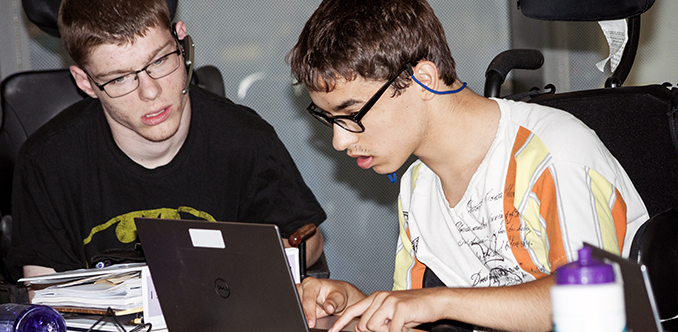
221 276
641 310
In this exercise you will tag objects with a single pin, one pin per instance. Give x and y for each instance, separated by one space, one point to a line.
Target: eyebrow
120 72
347 104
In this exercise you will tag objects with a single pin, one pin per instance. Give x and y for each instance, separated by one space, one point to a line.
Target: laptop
642 314
221 276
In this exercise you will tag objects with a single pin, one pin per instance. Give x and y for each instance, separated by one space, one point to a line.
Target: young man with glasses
503 192
142 145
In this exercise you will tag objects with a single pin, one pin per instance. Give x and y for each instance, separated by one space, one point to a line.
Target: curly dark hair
372 39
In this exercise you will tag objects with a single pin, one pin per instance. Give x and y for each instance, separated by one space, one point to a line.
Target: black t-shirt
76 193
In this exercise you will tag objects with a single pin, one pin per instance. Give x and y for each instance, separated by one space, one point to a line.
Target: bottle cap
40 318
586 270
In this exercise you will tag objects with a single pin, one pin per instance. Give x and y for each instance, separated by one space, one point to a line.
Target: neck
460 132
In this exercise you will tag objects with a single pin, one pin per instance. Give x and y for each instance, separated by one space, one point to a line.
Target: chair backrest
656 246
29 100
583 10
44 13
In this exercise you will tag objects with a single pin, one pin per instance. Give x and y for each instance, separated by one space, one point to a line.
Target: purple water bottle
30 318
587 297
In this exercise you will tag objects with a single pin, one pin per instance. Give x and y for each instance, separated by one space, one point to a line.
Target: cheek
115 109
179 79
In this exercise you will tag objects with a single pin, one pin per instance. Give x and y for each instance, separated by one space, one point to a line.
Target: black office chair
29 100
637 124
656 246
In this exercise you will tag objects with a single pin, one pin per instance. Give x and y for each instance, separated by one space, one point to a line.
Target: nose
342 138
149 88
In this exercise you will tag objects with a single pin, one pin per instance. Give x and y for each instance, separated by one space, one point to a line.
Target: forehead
357 86
358 91
113 56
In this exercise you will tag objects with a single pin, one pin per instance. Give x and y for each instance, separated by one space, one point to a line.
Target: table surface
326 323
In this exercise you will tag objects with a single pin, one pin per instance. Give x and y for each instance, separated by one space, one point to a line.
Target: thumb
335 303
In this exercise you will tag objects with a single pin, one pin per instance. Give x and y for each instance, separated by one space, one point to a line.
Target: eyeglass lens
351 122
158 69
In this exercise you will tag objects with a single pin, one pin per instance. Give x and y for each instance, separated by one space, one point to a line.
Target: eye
120 80
160 61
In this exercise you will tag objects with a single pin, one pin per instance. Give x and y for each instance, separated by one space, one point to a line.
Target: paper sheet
616 33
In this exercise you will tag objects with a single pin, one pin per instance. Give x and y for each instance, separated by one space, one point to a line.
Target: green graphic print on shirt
126 230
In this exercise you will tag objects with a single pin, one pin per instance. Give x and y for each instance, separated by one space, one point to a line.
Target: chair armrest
319 269
302 234
13 293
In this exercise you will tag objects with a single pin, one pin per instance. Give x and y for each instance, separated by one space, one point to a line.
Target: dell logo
222 289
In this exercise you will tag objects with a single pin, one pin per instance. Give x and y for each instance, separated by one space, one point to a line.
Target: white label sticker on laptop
207 238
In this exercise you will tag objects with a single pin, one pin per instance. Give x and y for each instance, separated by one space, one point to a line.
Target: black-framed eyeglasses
127 83
351 122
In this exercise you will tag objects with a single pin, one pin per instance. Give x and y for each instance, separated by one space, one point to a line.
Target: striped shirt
546 185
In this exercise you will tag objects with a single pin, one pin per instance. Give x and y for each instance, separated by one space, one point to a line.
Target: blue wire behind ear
439 92
410 71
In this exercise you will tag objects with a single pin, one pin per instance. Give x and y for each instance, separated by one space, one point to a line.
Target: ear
426 72
82 80
181 30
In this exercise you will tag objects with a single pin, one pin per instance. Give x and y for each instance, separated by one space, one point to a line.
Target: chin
161 136
382 170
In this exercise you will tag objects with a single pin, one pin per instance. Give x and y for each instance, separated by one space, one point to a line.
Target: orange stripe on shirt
548 209
619 215
417 272
417 275
511 215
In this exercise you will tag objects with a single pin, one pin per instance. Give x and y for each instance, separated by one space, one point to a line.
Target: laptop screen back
220 276
641 311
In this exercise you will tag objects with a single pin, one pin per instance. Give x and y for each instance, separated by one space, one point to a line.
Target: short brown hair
85 24
373 39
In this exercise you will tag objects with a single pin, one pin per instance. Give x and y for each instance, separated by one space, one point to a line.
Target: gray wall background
248 42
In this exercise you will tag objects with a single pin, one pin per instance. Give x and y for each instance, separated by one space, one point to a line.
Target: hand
323 297
395 311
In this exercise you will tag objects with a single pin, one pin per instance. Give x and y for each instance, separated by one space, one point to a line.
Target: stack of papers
92 290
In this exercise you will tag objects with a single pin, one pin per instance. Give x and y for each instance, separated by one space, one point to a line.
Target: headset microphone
188 51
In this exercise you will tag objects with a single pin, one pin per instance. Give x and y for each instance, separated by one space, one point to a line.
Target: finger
398 320
335 302
308 293
351 312
380 319
370 322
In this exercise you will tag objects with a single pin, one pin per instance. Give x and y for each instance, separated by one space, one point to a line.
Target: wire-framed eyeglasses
129 82
351 122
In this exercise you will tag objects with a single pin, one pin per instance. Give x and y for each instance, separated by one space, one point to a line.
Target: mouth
364 162
155 118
